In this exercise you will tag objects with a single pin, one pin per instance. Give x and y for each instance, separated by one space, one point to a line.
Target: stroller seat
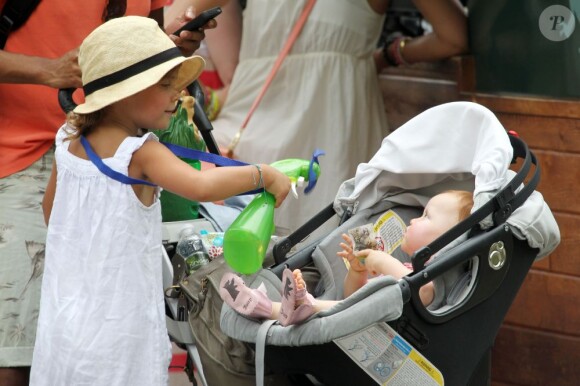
478 268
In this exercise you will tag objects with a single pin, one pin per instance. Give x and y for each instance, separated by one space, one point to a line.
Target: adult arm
64 72
61 72
223 43
178 7
179 13
448 37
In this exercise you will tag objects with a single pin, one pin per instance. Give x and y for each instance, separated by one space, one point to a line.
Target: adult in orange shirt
38 59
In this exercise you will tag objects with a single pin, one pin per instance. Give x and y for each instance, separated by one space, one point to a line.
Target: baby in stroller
441 213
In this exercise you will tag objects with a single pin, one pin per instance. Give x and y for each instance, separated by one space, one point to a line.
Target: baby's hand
373 260
347 252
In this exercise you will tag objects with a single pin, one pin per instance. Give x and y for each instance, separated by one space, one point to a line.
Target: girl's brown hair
83 123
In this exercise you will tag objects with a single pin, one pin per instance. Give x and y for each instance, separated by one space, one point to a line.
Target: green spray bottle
247 239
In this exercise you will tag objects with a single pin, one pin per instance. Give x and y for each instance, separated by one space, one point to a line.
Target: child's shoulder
132 144
66 131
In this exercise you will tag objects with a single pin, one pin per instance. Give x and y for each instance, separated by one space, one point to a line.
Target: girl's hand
348 253
275 182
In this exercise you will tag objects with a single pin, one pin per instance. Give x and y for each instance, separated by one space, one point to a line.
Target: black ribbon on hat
134 69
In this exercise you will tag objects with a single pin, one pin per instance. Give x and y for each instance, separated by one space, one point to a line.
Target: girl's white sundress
325 95
102 315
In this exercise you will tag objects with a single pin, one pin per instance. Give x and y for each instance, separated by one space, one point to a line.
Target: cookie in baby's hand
363 237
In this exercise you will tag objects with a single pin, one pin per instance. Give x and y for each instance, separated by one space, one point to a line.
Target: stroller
382 334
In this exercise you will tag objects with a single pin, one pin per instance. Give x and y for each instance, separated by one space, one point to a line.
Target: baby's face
440 215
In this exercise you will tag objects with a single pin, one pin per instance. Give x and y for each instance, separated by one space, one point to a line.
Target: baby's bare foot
296 301
299 280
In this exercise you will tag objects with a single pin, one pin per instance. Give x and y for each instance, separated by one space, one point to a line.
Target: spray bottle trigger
293 188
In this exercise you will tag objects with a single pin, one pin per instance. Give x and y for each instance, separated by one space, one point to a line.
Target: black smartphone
200 20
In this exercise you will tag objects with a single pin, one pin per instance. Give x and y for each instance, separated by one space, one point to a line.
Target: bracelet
388 57
392 52
260 182
399 44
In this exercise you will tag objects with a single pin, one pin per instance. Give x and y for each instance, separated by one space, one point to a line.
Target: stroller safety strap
261 349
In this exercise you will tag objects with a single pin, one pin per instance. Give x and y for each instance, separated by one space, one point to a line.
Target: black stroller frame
457 342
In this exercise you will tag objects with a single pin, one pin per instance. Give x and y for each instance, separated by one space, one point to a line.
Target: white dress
326 94
102 316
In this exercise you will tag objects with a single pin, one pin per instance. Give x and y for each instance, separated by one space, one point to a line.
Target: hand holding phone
199 21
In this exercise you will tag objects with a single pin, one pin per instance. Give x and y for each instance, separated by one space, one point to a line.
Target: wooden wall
539 342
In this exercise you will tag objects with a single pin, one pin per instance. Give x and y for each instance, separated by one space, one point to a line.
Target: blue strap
215 159
179 151
95 159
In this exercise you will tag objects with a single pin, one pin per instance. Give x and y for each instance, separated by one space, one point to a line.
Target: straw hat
126 55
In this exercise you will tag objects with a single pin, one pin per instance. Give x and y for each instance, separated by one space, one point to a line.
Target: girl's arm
153 161
48 198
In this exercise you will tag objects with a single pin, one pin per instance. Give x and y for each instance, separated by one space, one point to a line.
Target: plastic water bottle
190 247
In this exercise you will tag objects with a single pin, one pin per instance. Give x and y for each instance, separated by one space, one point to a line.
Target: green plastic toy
247 239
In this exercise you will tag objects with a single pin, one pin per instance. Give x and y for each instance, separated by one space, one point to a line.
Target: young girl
102 316
442 212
